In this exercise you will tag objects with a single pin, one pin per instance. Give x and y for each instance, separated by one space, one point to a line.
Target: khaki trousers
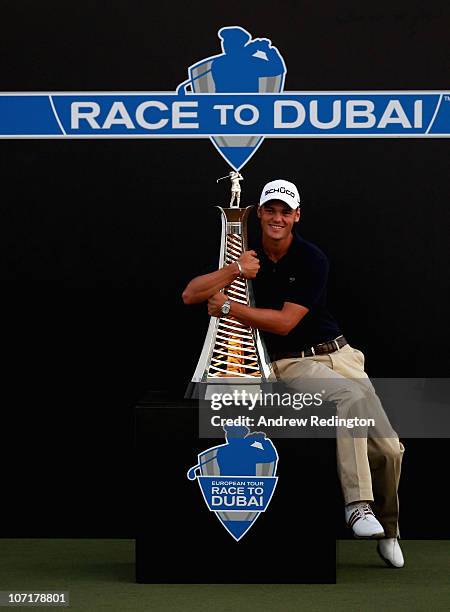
368 467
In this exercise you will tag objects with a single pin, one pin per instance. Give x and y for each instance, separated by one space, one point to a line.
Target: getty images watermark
248 400
378 408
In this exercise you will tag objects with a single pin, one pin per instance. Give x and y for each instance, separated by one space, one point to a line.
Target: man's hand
249 264
215 304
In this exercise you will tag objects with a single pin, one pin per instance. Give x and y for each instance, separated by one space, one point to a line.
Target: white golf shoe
391 553
361 519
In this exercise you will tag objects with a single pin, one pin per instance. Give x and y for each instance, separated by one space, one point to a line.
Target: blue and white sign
237 479
244 66
236 98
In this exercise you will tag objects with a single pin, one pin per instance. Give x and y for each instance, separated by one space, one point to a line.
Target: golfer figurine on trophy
233 353
235 178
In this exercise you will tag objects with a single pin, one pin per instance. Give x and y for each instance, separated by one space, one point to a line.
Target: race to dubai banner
236 99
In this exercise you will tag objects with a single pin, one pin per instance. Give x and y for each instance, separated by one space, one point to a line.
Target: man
305 343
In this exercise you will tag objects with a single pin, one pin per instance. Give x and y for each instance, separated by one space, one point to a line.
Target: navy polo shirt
300 277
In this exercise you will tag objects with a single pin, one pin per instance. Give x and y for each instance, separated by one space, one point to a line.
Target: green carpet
99 574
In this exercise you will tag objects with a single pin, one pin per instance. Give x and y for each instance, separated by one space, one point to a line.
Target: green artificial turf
99 574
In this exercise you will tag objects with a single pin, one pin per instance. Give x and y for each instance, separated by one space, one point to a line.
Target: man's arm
201 288
279 322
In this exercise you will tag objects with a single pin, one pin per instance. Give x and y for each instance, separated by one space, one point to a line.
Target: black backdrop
98 237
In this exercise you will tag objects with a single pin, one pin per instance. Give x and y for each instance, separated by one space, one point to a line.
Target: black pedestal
179 540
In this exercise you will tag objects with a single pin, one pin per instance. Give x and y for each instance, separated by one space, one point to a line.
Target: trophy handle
192 472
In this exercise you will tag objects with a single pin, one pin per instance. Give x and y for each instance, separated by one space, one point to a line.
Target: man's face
277 219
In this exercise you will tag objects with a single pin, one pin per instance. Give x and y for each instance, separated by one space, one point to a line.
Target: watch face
225 308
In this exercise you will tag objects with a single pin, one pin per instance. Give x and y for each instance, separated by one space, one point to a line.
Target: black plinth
179 540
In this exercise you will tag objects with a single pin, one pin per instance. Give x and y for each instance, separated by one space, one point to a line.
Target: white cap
280 190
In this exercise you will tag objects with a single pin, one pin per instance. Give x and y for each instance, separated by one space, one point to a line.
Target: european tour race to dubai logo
245 66
237 99
237 479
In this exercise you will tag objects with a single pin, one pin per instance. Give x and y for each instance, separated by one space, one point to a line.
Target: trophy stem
233 353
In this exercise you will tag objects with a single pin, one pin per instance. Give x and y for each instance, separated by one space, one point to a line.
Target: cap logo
280 190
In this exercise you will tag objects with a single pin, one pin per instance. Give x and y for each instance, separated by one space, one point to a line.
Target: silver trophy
233 354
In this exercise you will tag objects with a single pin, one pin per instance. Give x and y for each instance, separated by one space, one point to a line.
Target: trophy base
235 386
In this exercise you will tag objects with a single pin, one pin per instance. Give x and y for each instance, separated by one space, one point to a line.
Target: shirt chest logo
292 279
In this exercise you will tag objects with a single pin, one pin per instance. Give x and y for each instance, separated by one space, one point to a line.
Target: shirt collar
293 248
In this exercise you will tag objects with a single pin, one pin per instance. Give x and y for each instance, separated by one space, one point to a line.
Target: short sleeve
307 287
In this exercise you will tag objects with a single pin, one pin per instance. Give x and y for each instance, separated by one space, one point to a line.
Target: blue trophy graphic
237 479
245 65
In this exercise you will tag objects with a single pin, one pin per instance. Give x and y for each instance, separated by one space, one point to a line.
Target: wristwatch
225 308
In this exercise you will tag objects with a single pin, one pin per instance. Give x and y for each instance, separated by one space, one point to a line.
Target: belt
319 349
